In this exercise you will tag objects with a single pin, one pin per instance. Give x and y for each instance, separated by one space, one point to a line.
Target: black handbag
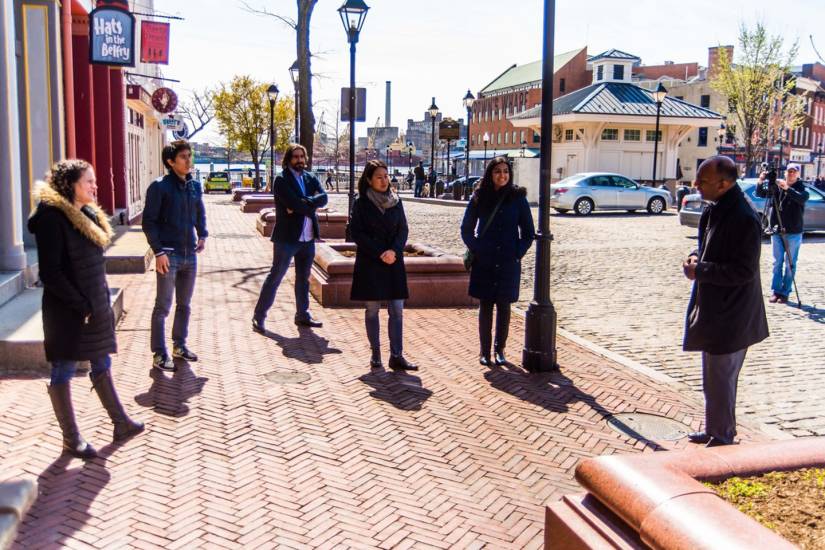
468 254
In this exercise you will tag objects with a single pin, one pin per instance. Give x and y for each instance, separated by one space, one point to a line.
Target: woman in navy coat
495 275
379 228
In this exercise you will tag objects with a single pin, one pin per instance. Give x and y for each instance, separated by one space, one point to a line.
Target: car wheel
227 191
583 207
656 205
561 210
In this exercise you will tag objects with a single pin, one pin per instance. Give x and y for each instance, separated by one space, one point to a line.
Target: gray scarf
383 201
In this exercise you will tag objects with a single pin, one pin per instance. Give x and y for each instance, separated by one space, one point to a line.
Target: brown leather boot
61 397
125 427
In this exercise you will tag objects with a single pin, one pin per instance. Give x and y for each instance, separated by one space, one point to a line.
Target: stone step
16 497
21 332
129 253
13 283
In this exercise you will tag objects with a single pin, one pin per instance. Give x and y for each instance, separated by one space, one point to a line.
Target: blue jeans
395 325
180 282
63 371
782 273
304 254
419 184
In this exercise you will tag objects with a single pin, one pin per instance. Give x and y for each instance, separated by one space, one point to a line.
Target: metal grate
647 426
287 377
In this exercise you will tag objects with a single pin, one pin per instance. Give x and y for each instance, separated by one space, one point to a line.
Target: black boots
61 397
375 359
397 362
124 427
500 359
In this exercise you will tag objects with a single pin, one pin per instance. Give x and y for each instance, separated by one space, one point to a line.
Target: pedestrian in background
420 178
174 222
498 230
379 228
726 312
72 232
298 194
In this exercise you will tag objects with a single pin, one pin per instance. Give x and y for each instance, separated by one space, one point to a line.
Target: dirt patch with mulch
790 503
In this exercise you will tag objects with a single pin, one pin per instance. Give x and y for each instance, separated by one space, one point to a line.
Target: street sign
164 100
182 132
171 123
448 129
112 37
360 104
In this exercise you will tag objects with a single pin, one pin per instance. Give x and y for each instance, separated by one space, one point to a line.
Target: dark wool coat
78 322
375 233
288 196
726 312
496 271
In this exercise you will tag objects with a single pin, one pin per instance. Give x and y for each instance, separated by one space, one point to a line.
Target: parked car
814 218
217 181
589 191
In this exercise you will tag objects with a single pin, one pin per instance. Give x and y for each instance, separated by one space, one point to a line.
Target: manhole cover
287 377
647 426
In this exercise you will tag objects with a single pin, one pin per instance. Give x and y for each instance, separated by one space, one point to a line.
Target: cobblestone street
617 281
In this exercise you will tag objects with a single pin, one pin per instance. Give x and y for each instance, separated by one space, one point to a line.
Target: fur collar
99 233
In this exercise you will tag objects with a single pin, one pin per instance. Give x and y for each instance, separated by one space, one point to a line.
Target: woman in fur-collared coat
72 232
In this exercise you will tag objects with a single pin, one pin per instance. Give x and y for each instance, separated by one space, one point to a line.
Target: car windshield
218 175
571 180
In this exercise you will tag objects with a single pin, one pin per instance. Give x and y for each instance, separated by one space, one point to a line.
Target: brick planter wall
333 225
436 279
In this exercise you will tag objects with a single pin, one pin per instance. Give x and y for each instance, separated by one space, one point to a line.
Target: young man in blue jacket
174 222
298 194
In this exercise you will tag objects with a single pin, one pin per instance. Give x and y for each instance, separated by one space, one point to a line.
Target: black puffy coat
726 312
496 271
78 321
375 233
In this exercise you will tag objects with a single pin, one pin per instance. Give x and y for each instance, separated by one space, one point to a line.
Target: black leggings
485 325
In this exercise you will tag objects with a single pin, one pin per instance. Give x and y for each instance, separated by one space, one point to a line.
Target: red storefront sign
154 42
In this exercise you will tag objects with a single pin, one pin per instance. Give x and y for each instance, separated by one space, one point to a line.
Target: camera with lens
769 186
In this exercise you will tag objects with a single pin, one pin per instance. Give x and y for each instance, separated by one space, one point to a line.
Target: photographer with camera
786 200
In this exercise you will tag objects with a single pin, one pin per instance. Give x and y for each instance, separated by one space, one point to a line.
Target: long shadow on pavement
307 347
64 496
168 396
400 389
550 390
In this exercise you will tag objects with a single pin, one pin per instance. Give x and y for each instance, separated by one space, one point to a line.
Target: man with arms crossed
726 313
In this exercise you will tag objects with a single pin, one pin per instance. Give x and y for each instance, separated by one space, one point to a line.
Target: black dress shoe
258 326
699 437
485 360
308 322
397 362
500 359
714 442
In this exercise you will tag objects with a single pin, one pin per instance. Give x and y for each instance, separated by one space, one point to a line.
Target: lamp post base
539 354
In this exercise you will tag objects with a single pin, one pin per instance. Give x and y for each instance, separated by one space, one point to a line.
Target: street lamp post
659 96
486 139
388 156
272 93
721 133
353 13
469 99
818 161
433 110
539 353
409 153
294 72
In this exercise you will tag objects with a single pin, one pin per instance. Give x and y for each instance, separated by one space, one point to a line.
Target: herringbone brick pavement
457 456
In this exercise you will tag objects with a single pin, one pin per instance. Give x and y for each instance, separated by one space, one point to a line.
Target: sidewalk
290 442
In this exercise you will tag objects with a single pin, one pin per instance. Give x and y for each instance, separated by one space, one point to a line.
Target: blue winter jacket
173 216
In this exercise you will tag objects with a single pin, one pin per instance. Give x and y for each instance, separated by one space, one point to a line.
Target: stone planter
254 203
240 192
435 279
333 225
656 500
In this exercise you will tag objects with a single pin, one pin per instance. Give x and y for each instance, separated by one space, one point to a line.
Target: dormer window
600 72
618 72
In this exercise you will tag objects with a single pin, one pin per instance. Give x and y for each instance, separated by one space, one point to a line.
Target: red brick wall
673 70
575 75
713 58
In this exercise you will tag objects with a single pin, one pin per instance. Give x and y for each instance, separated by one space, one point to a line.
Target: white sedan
589 191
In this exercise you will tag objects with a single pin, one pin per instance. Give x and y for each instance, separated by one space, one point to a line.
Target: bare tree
198 110
301 27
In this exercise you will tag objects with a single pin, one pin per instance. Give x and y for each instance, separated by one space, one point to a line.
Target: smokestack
387 119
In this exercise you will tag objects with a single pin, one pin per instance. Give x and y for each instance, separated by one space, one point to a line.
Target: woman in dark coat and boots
78 323
495 275
379 228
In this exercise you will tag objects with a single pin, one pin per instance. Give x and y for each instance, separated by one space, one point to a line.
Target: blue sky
443 47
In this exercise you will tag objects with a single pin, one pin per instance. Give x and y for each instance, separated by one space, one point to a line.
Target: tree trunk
307 118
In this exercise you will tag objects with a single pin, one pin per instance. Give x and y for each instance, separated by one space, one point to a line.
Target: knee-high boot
124 427
73 443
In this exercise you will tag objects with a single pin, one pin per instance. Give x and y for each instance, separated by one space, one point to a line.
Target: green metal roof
518 75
